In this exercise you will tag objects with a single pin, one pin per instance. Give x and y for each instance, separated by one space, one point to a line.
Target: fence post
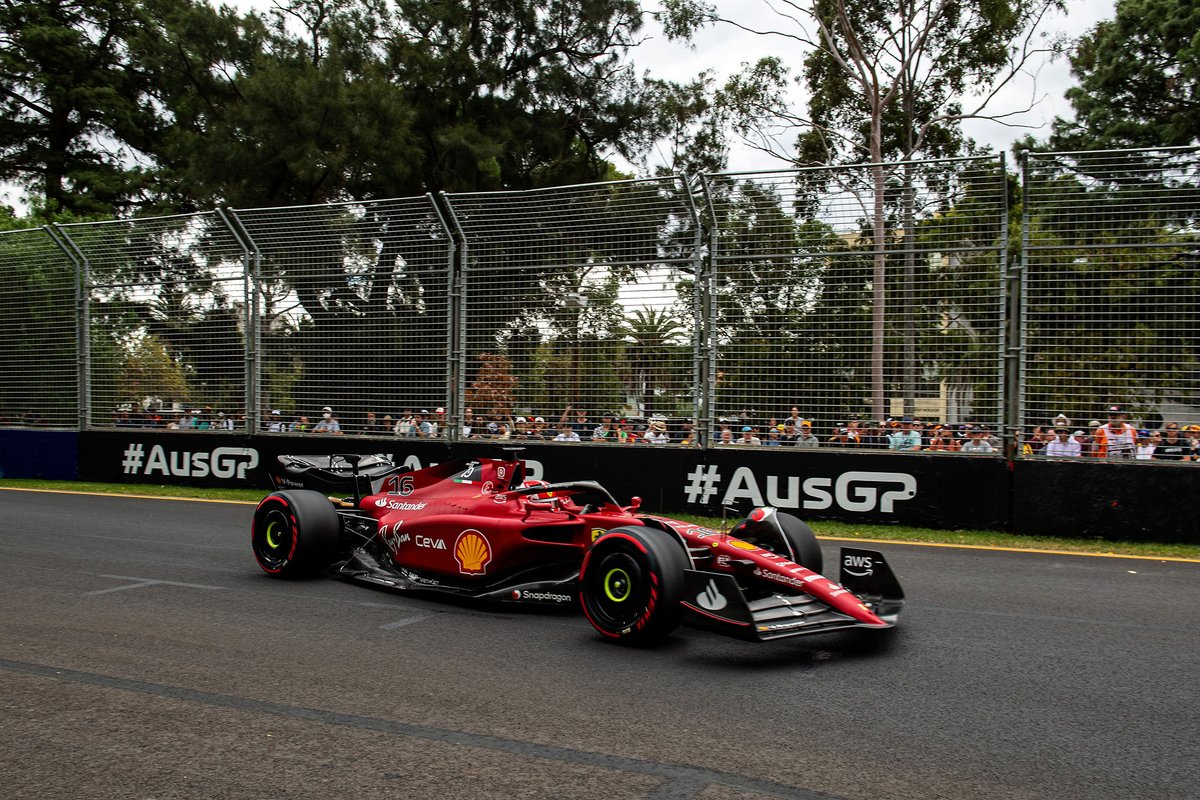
250 292
83 314
706 331
455 302
457 332
1014 401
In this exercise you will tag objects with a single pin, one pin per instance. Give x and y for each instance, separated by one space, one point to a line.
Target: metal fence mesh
1111 290
800 272
847 296
166 313
579 308
353 315
39 383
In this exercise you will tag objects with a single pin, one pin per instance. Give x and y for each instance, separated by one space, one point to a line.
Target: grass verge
823 528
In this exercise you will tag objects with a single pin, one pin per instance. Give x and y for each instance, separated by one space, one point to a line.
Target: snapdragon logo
220 462
858 491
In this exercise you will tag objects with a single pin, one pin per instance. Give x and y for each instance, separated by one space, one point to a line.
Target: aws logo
859 566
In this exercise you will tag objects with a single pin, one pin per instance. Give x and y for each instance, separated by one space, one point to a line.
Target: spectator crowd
1113 439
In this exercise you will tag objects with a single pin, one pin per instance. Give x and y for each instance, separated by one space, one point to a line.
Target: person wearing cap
804 436
1063 446
1173 447
748 436
328 424
275 421
1148 442
1117 438
1193 435
657 433
905 439
372 425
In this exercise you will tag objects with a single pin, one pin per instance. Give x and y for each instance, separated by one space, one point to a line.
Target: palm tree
655 354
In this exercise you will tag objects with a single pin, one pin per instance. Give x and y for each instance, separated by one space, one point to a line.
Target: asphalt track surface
144 655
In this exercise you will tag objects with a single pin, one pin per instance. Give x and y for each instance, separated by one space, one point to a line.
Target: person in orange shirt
1117 439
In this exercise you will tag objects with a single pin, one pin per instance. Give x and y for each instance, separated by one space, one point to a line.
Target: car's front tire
294 534
800 543
631 583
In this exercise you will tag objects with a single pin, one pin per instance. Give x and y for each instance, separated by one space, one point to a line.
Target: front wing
715 600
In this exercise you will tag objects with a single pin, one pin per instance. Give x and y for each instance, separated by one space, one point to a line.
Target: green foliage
39 360
75 124
116 107
1139 79
1117 271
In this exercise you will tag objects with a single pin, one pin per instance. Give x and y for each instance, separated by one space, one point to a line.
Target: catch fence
1110 310
843 296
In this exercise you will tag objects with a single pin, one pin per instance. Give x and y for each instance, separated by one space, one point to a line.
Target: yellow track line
992 548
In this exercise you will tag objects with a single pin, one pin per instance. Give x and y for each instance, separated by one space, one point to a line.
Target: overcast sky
724 50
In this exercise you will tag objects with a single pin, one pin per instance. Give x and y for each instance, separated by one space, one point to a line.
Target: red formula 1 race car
476 528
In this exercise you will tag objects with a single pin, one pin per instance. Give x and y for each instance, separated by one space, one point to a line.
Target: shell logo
472 552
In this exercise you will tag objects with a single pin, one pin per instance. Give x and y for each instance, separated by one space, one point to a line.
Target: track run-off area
143 654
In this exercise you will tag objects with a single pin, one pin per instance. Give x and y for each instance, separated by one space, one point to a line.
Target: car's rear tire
294 534
631 583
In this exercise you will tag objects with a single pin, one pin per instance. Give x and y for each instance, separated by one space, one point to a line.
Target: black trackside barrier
52 455
1146 502
933 491
1052 497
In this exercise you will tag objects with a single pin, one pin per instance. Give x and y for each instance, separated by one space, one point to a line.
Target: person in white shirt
1147 443
566 433
1063 445
748 436
657 434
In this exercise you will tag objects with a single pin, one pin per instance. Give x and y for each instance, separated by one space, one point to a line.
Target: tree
654 353
886 82
493 392
1139 79
75 124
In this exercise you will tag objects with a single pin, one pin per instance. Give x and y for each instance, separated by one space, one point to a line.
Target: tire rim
617 599
617 585
273 539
